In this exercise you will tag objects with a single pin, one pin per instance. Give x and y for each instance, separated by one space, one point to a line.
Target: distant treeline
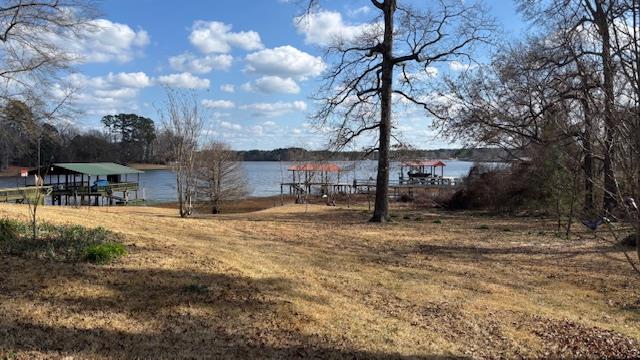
300 154
129 138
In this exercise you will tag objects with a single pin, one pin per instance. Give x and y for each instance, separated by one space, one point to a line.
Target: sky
252 67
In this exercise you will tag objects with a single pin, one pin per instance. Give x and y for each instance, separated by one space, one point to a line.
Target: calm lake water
264 177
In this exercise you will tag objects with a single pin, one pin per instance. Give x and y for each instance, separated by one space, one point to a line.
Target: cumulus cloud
230 126
217 37
275 109
324 27
133 80
136 80
218 104
183 80
102 40
272 85
112 93
285 61
229 88
200 65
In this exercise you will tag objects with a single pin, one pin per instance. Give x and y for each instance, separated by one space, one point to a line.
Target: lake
264 177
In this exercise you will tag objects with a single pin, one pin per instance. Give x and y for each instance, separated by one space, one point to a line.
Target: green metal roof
98 168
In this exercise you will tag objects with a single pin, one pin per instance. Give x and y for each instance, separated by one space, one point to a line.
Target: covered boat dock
89 183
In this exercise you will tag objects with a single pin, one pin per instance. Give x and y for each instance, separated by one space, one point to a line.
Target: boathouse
90 183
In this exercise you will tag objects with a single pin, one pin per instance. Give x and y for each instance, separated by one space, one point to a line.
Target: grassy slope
283 282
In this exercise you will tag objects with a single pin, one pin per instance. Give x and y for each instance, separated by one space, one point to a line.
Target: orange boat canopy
311 167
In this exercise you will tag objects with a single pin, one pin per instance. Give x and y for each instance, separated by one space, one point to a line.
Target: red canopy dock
305 176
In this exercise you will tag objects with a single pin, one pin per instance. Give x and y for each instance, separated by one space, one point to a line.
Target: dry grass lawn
285 283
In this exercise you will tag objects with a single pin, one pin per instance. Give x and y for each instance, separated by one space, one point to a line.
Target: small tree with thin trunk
393 58
220 175
182 120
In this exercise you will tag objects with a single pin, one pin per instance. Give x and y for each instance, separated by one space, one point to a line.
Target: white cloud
269 123
136 80
125 93
324 27
218 104
285 61
229 88
183 80
133 80
200 65
103 41
230 125
275 109
272 84
109 94
216 37
458 66
362 10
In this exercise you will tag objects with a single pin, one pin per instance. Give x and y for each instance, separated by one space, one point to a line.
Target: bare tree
357 97
591 21
573 87
183 121
627 49
220 175
34 37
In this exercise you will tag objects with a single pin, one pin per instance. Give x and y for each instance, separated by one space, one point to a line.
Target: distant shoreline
14 171
148 166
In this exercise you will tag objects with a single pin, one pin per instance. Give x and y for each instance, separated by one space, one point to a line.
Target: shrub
104 253
531 186
56 242
437 221
483 227
407 217
11 229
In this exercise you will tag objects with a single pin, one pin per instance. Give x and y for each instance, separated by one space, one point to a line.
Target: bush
437 221
525 185
10 230
57 242
104 253
483 227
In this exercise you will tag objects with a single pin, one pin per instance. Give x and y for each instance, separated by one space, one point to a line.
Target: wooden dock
22 194
366 186
95 195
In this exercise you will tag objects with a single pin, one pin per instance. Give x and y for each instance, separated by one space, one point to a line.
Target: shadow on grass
155 313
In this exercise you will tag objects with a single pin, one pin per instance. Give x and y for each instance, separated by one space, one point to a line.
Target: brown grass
318 281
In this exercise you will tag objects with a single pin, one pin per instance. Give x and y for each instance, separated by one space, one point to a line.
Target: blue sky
251 66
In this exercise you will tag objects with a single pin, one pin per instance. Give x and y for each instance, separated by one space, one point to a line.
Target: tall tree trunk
381 209
610 185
